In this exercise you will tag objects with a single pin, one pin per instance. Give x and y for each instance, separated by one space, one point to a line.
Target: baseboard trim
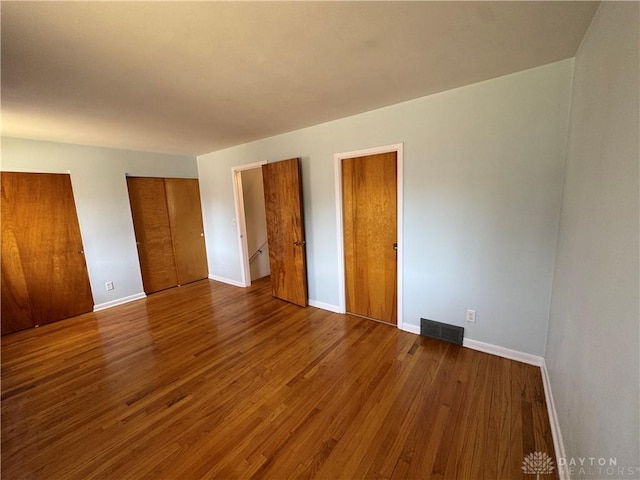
407 327
228 281
324 306
118 301
503 352
558 443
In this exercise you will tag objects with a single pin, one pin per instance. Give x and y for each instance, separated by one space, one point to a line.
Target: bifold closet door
167 220
44 274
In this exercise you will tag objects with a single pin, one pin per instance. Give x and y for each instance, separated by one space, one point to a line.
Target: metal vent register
441 331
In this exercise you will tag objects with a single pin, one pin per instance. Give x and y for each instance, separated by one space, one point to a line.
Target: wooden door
187 231
153 233
17 313
285 230
44 274
369 196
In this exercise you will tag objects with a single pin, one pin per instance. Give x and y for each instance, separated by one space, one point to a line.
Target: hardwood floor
213 381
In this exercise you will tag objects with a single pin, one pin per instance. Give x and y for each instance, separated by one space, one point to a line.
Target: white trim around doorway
338 157
241 223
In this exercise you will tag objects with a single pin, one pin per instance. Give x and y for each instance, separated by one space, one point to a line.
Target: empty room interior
346 240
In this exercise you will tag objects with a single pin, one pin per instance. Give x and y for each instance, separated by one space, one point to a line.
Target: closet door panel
153 233
15 303
44 239
185 218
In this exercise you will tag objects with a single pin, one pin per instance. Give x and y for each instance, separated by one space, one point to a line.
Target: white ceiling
194 77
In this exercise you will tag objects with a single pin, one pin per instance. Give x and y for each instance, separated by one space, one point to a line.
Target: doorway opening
251 222
346 171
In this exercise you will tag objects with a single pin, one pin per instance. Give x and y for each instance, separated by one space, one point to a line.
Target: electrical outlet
471 316
109 286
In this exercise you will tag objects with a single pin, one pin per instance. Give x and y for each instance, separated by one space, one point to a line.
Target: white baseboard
118 301
407 327
558 443
324 306
235 283
488 348
503 352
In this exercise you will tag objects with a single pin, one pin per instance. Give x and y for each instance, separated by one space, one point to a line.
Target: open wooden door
44 274
285 230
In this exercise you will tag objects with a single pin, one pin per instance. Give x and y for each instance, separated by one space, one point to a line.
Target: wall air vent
441 331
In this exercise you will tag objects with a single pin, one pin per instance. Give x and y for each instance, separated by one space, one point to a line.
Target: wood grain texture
17 313
369 202
285 230
187 231
153 233
44 273
213 381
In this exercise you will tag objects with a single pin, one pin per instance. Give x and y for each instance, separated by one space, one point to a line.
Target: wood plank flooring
213 381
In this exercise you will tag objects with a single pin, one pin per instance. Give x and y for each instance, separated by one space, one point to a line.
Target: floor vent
441 331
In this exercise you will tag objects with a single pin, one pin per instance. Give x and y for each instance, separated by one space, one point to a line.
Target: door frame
241 222
337 158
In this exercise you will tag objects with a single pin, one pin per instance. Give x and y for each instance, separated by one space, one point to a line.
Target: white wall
592 349
102 200
482 187
256 221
